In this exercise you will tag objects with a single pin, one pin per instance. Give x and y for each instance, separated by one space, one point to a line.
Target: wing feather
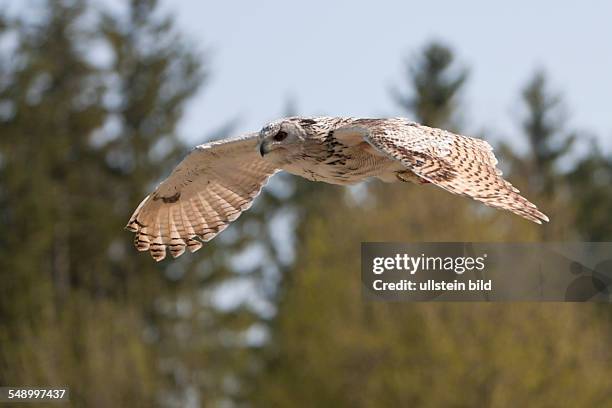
459 164
210 188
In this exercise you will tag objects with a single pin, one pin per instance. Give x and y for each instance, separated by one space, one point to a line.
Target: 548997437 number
15 394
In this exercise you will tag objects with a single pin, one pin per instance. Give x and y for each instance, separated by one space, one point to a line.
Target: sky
341 57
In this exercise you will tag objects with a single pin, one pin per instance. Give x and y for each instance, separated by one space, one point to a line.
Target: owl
217 181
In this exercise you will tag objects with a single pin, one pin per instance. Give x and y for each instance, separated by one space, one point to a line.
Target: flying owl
217 181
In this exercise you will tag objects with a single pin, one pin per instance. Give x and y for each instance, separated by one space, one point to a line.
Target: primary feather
210 188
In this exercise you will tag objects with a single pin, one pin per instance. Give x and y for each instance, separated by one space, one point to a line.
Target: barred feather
459 164
207 191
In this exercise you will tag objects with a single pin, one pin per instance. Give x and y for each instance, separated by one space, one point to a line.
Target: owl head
281 140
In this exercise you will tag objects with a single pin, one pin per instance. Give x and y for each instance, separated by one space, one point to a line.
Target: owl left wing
208 190
458 164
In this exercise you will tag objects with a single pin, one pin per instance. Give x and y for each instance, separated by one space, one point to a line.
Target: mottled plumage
217 181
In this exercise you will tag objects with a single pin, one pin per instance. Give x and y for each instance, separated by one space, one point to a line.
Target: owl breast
343 165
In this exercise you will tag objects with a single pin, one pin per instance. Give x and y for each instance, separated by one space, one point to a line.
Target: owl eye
280 136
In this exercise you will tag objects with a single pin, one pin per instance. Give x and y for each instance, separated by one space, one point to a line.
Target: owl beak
263 148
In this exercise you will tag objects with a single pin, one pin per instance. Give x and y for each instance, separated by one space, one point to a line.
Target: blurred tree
435 84
82 142
538 170
329 348
334 349
590 183
89 103
548 142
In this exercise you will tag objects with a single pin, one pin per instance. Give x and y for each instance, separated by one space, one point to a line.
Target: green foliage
330 348
82 142
590 186
333 349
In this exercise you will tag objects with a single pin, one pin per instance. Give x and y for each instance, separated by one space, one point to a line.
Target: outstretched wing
209 189
459 164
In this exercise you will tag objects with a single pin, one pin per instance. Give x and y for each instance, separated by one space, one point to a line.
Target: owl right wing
458 164
210 188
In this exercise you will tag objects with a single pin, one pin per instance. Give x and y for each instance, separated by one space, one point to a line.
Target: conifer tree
591 195
544 130
435 83
82 142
